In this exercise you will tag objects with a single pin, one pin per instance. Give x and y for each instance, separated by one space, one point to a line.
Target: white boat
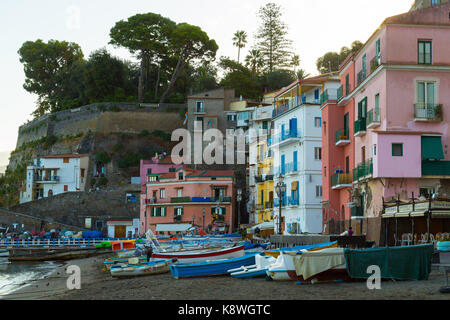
279 270
257 270
188 257
151 268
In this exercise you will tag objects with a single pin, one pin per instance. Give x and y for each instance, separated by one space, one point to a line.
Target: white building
297 149
55 174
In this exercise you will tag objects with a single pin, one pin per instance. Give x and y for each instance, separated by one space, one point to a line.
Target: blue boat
252 271
210 268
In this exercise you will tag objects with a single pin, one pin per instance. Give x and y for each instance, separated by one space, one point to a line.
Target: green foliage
278 79
271 38
331 61
118 147
102 157
239 40
102 181
161 134
144 133
130 160
114 108
240 78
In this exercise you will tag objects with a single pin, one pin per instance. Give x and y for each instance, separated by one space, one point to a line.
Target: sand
99 285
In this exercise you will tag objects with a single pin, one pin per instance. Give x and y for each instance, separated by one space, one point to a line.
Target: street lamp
281 190
204 219
239 198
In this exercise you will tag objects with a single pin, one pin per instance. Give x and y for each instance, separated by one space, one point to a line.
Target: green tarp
432 148
401 263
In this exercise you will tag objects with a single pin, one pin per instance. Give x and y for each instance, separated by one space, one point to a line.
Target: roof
65 155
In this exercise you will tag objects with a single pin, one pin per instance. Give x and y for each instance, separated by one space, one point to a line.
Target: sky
315 27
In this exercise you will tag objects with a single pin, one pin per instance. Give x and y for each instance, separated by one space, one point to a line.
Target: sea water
15 275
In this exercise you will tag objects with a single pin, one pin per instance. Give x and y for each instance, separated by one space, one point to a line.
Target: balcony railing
342 137
201 199
259 179
280 109
361 77
269 204
360 127
428 112
328 94
292 201
221 199
48 178
282 136
180 199
341 180
363 170
373 118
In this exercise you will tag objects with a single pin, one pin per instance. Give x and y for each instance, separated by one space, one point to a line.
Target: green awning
432 148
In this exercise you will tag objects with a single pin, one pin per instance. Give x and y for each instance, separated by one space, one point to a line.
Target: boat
123 245
150 268
256 270
108 263
217 237
311 247
4 253
210 268
320 266
202 255
279 270
47 254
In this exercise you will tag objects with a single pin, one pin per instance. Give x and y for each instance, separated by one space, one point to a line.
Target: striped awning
440 213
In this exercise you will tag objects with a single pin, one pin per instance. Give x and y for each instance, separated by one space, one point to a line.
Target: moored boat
210 268
311 247
150 268
252 271
47 254
202 255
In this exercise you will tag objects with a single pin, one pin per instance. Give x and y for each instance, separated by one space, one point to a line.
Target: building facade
188 196
55 174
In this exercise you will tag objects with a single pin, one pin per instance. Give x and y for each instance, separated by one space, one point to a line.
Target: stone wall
72 208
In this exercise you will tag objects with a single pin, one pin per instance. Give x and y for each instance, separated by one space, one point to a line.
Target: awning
432 148
262 226
389 215
173 227
420 213
440 213
402 215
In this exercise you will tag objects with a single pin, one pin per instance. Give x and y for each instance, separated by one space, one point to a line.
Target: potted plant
444 244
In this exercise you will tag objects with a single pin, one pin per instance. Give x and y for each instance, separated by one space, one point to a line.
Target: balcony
221 199
201 199
268 177
427 112
48 179
151 200
259 179
361 77
180 199
373 118
285 137
291 168
356 212
435 168
280 110
341 181
342 137
328 94
363 170
360 127
375 63
292 202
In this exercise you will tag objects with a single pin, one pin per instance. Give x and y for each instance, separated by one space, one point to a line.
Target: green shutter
163 211
432 148
152 211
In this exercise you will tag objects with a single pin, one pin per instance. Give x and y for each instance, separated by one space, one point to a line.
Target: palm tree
254 60
239 40
295 62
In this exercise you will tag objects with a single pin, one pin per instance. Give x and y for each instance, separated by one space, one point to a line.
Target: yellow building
264 182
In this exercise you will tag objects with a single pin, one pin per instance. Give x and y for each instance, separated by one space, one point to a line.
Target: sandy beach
99 285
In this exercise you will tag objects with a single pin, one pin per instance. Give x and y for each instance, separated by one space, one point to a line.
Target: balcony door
346 125
363 154
362 109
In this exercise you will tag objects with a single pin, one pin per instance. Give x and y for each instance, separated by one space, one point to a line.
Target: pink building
402 111
160 163
189 196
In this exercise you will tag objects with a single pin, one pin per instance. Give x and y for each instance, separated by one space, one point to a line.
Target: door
363 154
120 231
346 126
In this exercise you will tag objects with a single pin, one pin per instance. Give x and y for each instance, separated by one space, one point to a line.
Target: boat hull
202 256
54 254
141 270
210 268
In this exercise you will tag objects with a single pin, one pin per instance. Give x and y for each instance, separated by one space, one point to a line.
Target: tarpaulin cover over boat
311 263
401 263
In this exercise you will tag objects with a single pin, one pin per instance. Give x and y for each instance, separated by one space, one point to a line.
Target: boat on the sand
202 255
147 269
256 270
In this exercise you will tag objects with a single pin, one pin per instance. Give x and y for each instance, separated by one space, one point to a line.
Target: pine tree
271 38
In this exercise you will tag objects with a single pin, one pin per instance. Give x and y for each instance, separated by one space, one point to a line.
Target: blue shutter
282 131
283 164
295 160
316 94
293 127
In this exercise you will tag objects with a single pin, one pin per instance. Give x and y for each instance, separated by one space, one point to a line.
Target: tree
271 38
147 36
255 61
240 78
278 79
302 74
331 61
295 62
44 65
239 41
188 43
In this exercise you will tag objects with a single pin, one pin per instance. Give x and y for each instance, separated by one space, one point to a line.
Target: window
378 51
65 160
324 171
318 153
374 150
364 65
397 149
66 187
200 107
149 171
316 94
318 191
362 108
424 52
425 93
231 117
178 211
318 122
347 164
434 2
347 84
162 193
179 193
82 172
180 176
324 128
264 125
